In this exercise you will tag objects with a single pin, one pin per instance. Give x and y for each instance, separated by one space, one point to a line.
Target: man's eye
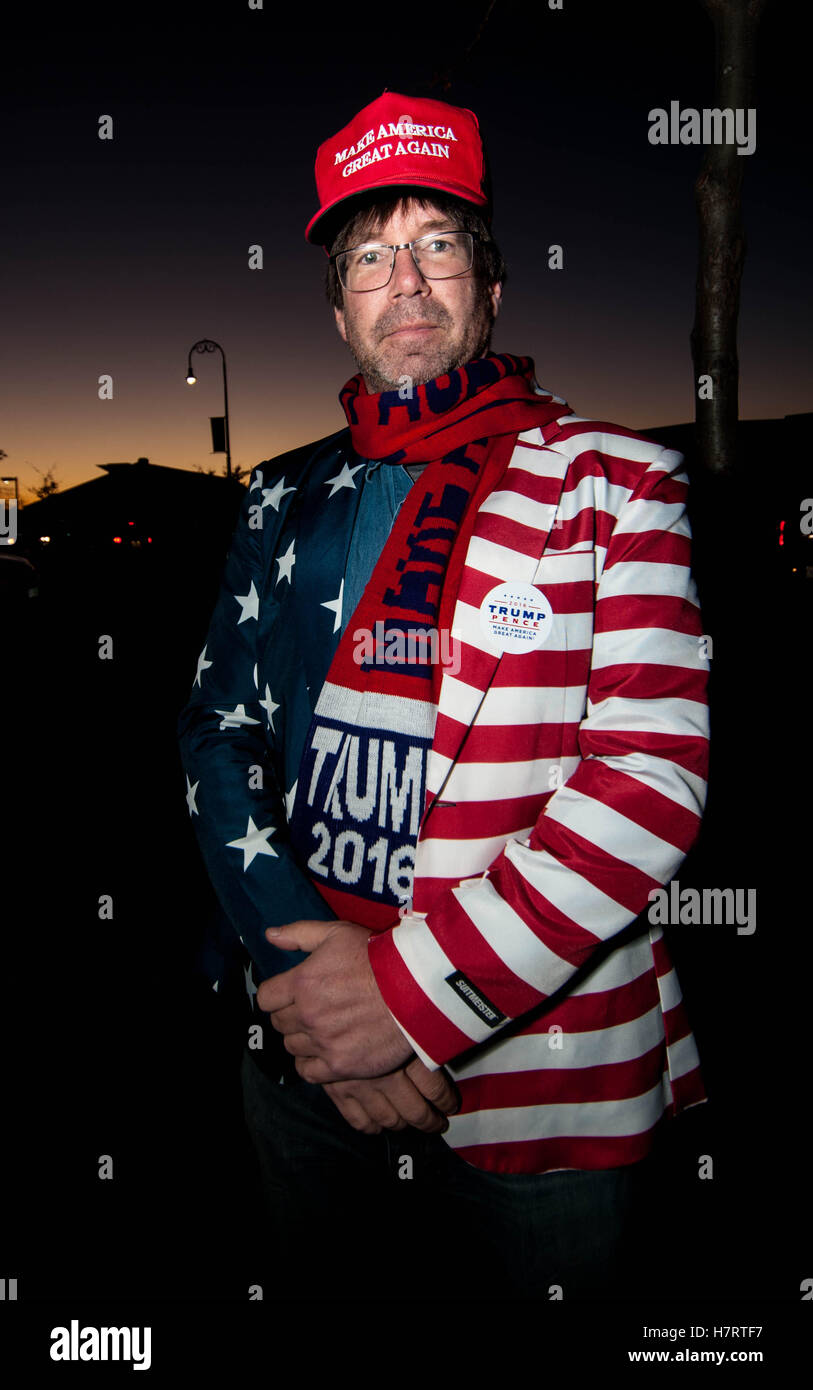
438 245
369 257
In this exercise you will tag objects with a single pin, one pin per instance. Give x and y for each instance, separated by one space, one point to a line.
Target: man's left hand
329 1008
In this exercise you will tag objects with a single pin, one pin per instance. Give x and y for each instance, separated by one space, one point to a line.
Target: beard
384 362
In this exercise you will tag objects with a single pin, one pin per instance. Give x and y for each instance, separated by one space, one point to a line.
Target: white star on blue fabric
232 719
203 665
343 479
336 605
272 496
258 480
290 798
254 842
269 707
190 797
250 604
286 563
254 674
251 988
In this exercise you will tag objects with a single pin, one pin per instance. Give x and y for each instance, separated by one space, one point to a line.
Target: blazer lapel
510 534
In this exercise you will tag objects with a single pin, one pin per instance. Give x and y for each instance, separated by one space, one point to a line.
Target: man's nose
406 277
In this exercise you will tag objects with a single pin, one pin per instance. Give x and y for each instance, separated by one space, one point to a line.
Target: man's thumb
300 936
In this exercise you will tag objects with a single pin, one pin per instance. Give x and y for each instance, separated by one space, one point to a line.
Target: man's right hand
412 1095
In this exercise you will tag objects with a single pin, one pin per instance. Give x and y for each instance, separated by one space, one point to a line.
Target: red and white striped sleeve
494 947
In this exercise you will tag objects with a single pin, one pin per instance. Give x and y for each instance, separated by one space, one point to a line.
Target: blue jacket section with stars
298 563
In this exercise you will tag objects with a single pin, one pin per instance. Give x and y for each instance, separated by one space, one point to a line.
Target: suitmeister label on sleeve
475 999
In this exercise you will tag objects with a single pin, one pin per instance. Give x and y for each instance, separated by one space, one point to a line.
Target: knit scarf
361 786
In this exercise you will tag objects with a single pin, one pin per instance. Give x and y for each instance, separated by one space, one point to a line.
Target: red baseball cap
399 141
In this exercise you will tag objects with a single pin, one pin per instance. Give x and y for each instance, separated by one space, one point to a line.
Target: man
447 733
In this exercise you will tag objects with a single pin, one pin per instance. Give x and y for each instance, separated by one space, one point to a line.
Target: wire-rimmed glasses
437 256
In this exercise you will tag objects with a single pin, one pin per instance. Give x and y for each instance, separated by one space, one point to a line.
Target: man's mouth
412 328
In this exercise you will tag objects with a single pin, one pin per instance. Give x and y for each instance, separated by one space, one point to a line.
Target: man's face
416 327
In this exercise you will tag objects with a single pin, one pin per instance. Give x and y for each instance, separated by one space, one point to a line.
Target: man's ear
340 323
495 295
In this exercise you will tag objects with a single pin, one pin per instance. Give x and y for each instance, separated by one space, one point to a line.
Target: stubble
384 361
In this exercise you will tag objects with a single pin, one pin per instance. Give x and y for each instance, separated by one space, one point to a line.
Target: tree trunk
722 238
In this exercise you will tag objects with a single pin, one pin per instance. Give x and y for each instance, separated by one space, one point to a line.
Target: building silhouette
134 505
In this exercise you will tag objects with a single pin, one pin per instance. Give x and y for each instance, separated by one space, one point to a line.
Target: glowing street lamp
208 345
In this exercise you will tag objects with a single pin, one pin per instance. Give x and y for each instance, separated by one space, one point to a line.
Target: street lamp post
208 345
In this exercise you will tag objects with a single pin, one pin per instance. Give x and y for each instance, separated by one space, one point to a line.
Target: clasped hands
336 1025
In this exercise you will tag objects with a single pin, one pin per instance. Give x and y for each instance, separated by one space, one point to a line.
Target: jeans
400 1214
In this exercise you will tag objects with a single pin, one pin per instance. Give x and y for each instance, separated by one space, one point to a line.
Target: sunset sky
118 255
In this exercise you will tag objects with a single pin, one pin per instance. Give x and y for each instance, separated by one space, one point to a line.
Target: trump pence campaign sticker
517 616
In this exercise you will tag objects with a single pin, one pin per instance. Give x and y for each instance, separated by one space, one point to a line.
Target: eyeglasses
437 256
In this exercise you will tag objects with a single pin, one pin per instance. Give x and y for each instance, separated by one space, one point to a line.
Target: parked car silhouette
18 577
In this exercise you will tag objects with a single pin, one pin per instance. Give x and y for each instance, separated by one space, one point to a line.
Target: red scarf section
361 788
416 424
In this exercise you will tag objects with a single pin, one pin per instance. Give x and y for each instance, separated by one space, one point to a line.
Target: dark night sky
117 255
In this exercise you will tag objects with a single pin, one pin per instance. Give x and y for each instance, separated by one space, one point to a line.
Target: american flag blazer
564 784
568 782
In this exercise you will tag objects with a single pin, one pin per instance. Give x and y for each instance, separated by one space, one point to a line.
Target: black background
114 1043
